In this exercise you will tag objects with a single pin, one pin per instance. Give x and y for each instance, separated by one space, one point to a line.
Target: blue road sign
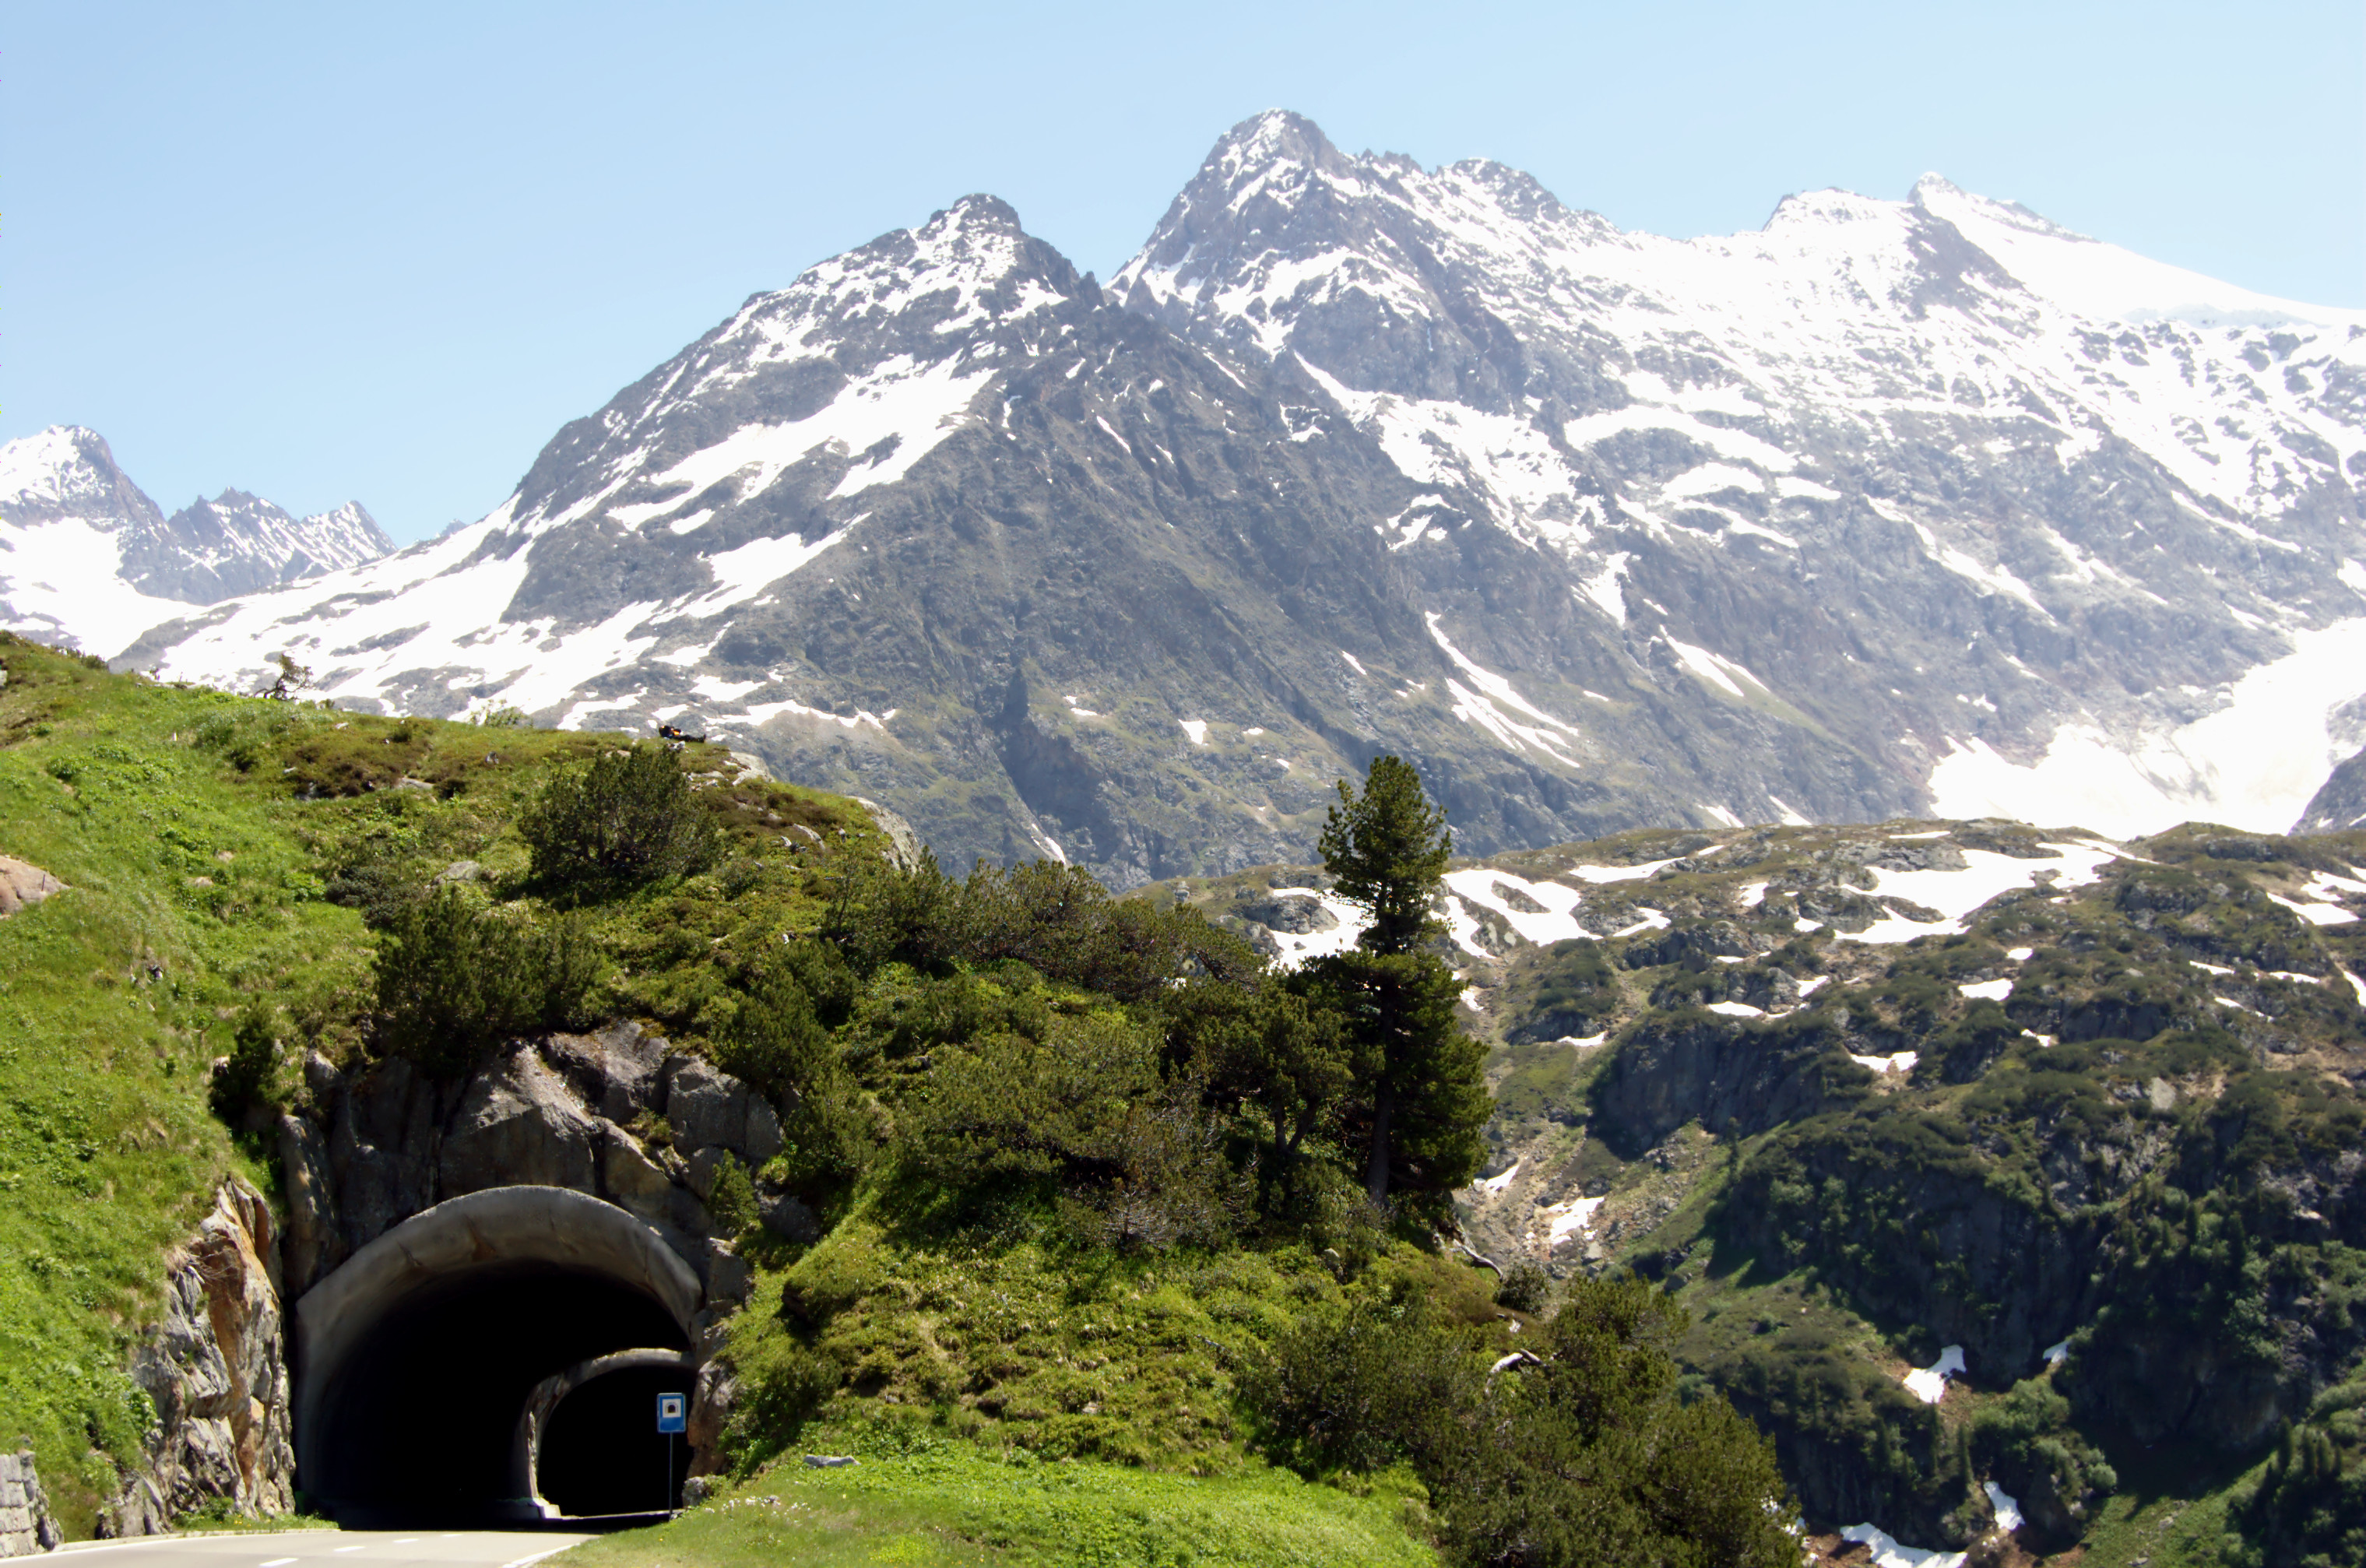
673 1413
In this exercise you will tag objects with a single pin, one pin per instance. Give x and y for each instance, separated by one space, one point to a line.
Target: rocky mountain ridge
1890 507
86 559
1960 1094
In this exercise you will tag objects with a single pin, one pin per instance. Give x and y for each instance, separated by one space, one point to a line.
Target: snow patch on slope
2253 764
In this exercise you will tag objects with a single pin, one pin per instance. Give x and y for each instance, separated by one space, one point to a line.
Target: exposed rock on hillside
21 885
2340 806
386 1143
216 1370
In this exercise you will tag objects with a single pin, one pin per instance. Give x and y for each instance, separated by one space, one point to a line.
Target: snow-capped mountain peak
1883 507
2105 282
2074 435
86 557
68 471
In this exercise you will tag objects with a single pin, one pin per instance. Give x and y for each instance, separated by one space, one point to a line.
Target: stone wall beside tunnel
215 1369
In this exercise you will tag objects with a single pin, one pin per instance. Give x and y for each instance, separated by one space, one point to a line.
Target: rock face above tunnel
387 1141
215 1369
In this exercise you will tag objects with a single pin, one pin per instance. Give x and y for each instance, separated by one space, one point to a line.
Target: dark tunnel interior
422 1422
603 1454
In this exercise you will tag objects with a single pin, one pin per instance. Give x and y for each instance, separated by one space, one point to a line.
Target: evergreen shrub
456 978
628 817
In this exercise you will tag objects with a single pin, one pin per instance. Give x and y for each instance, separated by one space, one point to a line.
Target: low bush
1056 918
243 1077
779 1041
2307 1506
1580 1454
455 978
628 817
1525 1286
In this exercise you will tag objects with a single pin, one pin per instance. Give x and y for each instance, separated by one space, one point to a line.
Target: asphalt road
329 1549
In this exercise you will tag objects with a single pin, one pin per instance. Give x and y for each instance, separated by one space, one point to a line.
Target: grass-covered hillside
2087 1114
1097 1280
221 857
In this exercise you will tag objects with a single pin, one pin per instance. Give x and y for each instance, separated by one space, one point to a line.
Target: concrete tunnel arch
416 1357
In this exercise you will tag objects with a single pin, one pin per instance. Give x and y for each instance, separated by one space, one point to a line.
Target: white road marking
522 1562
278 1563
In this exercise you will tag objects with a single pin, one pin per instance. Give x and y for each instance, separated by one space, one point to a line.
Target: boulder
22 885
705 1106
727 1274
617 1070
788 1217
710 1411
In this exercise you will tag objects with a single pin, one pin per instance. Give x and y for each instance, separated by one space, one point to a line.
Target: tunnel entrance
422 1425
418 1361
601 1453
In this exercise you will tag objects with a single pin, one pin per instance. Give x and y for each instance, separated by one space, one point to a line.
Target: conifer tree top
1386 850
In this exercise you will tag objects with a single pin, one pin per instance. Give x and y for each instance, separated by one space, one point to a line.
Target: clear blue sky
384 251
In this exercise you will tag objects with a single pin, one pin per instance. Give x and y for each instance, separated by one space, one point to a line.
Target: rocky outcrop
1696 1066
710 1413
25 1525
22 884
215 1369
2340 804
617 1114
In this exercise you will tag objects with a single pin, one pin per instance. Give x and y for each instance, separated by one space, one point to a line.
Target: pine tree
1386 849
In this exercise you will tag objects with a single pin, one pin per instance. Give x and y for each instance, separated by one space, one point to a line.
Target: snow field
1557 923
1889 1553
1497 1183
1929 1383
62 582
2253 764
1956 894
1298 947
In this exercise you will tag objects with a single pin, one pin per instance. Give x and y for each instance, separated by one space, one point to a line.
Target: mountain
1890 507
237 542
1965 490
2340 806
87 558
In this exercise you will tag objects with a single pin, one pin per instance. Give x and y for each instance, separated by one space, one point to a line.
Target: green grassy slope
1022 1397
198 835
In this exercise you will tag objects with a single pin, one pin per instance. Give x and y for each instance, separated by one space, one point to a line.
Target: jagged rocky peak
237 542
858 367
68 472
86 559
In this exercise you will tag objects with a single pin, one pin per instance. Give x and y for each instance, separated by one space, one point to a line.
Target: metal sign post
673 1415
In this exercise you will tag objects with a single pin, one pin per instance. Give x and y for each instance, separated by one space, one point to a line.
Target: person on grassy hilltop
1425 1094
